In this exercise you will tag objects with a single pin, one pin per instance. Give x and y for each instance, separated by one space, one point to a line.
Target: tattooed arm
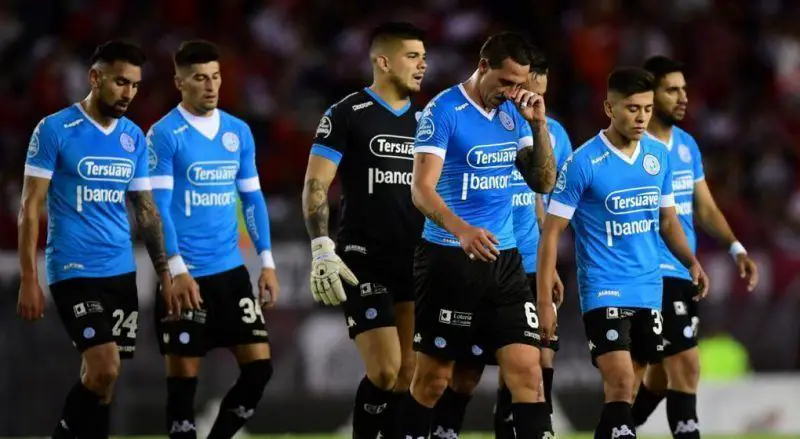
536 162
427 169
150 228
319 175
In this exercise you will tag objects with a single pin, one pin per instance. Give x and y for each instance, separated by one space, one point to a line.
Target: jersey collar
629 160
489 115
668 143
105 130
386 105
208 127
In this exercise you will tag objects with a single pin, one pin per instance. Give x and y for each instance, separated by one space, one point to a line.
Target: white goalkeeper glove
327 272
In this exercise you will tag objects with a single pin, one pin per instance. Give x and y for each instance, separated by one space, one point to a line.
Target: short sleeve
160 153
562 145
330 140
667 195
42 151
141 175
697 163
436 125
247 178
573 179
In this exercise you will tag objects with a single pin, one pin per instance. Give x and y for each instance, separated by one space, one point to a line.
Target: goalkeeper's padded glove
327 272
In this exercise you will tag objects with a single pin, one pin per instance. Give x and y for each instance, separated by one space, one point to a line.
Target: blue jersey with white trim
202 176
91 168
478 149
526 222
687 169
614 203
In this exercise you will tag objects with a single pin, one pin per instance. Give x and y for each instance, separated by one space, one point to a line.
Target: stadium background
285 61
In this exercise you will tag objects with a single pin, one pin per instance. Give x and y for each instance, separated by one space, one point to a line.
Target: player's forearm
256 215
539 207
546 266
431 204
151 229
714 223
163 200
315 207
28 231
673 235
537 163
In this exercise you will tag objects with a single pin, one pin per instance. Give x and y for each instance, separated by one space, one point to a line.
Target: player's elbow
418 194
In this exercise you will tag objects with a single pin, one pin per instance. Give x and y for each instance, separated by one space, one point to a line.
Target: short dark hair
539 64
629 81
396 30
660 66
503 45
195 52
119 50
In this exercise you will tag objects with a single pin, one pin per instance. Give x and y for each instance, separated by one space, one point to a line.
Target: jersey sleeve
562 145
254 206
42 151
573 179
434 129
247 177
667 195
141 174
697 163
160 152
330 141
524 131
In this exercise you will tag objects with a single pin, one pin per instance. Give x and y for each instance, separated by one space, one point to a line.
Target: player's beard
666 119
110 110
402 88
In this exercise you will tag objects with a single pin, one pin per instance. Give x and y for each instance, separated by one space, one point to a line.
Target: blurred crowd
285 61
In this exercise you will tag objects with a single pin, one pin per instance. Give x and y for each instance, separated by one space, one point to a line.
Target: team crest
651 164
127 142
325 127
152 159
230 141
33 146
506 120
425 129
684 153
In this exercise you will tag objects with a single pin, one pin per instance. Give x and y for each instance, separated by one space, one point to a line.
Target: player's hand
478 243
530 104
700 281
558 290
30 302
547 320
268 288
188 292
747 270
327 272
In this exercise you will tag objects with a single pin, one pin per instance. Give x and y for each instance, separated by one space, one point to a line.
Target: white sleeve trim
251 184
435 150
560 209
140 184
668 200
266 259
33 171
524 142
162 182
699 179
177 266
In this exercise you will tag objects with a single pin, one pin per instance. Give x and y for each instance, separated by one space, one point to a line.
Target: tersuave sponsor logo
498 155
112 169
393 147
639 199
212 173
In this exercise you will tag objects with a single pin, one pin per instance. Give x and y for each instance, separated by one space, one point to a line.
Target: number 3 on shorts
251 311
658 321
530 314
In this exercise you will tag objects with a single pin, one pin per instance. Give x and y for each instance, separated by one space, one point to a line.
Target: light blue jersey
613 201
687 169
526 223
478 149
197 165
91 168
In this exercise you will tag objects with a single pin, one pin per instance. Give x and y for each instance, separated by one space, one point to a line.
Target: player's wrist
177 266
267 261
737 249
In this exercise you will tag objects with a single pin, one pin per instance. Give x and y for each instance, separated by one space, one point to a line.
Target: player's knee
619 385
384 374
683 371
466 378
655 379
101 376
429 385
406 373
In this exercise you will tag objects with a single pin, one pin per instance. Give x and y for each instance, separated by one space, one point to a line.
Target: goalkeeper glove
327 272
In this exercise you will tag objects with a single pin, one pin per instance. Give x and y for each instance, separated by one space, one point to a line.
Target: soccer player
528 215
617 191
85 160
472 294
680 366
368 137
200 158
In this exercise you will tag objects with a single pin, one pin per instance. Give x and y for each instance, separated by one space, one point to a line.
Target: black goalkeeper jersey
373 145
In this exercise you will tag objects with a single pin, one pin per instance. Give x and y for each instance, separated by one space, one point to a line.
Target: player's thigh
370 304
619 377
449 287
235 316
655 378
683 370
380 351
81 306
100 365
404 312
183 339
679 315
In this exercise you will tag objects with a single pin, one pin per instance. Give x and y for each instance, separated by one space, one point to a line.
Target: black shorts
231 316
99 310
381 284
637 330
554 341
680 316
466 307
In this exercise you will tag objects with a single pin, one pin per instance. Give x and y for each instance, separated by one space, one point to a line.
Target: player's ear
178 82
609 109
483 66
94 78
383 63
